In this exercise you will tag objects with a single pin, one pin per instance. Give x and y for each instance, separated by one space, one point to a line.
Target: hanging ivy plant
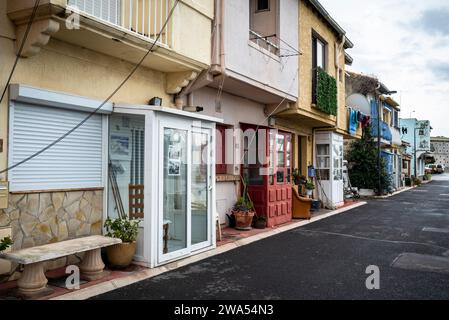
326 93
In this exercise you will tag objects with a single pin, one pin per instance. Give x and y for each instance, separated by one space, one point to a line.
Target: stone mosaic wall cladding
43 218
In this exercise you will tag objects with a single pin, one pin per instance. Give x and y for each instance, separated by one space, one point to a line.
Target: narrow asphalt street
328 259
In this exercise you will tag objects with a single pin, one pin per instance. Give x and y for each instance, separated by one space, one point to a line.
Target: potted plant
298 178
5 243
309 188
122 254
260 222
243 211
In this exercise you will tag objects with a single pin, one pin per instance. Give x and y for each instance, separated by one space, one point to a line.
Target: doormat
61 282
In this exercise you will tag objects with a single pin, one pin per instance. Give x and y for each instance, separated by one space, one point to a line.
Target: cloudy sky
405 43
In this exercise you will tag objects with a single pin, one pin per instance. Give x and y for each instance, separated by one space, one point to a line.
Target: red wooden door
279 202
269 181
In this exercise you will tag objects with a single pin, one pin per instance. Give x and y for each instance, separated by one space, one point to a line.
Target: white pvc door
184 189
337 167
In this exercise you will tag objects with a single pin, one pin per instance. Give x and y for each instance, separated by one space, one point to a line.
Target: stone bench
33 280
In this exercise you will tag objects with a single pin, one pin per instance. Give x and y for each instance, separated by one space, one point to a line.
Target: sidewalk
231 239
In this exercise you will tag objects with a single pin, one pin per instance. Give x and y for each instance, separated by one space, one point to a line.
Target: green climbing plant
326 93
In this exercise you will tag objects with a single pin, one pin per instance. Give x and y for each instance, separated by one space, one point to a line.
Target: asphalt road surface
405 236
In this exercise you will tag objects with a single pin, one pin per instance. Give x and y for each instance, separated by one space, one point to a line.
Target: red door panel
273 199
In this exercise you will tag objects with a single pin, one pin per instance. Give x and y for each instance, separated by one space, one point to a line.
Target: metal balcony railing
263 42
142 17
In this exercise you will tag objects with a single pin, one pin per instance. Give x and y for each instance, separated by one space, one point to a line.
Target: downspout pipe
339 53
217 68
379 162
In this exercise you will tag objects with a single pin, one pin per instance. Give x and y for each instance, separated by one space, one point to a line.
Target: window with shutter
75 162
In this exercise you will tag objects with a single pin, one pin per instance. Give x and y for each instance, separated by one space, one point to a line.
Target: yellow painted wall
192 29
309 20
68 68
7 36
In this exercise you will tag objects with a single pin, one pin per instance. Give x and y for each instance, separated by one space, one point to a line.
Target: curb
111 285
390 195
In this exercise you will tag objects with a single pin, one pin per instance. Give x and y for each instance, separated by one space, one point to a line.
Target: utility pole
414 152
379 162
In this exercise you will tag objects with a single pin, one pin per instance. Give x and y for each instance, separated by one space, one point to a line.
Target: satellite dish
359 102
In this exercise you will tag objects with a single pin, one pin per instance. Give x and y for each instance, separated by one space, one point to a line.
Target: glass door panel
175 181
200 187
126 166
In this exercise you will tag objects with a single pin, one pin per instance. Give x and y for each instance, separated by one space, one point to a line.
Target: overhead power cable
133 71
19 54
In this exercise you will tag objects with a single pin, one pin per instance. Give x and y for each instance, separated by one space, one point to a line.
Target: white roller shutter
75 162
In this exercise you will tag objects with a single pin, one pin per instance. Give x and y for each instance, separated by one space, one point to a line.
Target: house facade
367 96
417 134
440 148
318 121
254 70
76 54
231 95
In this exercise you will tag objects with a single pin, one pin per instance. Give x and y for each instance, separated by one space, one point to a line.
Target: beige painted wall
192 29
308 21
264 22
67 68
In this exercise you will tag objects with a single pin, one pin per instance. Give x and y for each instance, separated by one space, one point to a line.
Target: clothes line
357 118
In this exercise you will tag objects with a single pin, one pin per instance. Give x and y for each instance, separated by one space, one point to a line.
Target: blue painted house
417 134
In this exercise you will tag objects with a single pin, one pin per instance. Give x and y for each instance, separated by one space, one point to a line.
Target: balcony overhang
309 119
108 39
242 86
94 34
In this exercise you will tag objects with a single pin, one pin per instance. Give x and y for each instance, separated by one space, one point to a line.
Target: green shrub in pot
121 255
5 243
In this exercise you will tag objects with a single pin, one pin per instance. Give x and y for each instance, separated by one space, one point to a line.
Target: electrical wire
133 71
25 36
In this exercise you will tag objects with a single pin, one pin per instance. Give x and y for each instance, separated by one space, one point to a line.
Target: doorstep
231 239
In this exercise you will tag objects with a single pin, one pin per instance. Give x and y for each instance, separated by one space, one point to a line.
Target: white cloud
402 43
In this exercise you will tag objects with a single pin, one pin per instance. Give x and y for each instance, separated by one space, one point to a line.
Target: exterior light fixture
156 101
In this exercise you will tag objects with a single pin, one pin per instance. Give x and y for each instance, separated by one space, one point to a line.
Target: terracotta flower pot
121 255
243 220
260 224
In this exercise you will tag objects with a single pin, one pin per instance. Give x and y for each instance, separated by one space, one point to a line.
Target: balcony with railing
144 18
124 29
269 43
385 131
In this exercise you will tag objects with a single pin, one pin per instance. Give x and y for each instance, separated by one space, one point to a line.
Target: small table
166 224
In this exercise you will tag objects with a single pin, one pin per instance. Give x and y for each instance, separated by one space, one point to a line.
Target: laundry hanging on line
357 118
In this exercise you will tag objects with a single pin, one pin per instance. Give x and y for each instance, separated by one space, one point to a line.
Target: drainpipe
339 50
217 68
379 163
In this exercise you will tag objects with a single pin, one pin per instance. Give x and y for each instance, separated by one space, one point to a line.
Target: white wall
254 64
234 109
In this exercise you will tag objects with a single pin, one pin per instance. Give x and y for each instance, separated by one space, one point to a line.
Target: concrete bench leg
92 266
33 280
